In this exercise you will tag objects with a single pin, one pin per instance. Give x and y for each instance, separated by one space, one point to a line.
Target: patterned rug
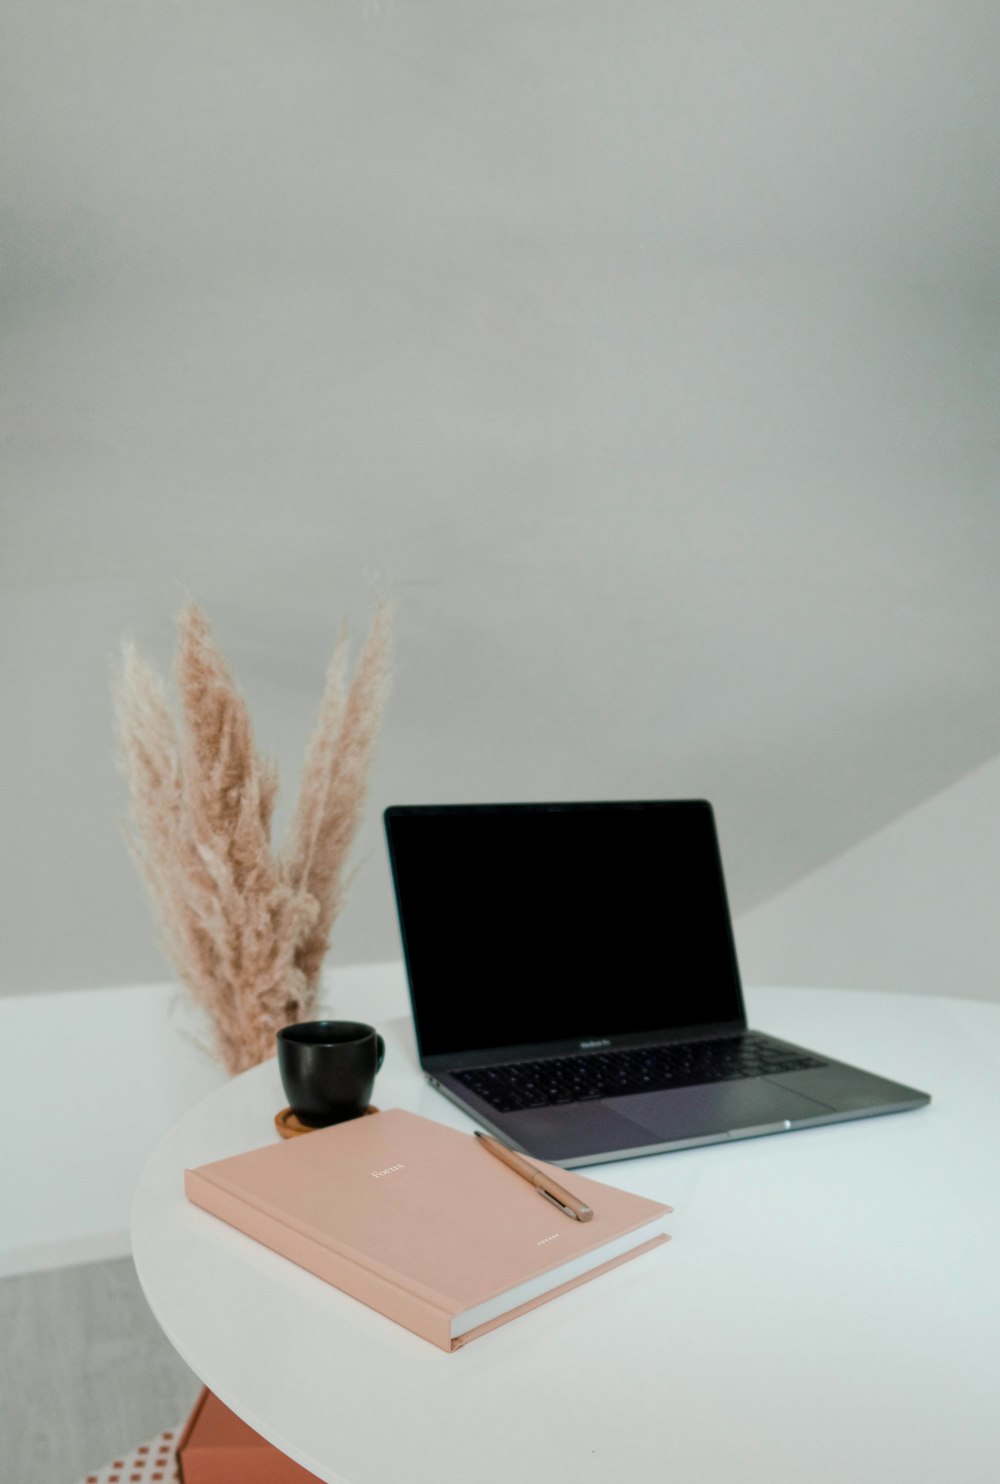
153 1462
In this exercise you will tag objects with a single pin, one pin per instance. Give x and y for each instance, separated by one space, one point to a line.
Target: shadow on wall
912 908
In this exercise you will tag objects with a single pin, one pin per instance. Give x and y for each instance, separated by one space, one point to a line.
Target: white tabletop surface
827 1313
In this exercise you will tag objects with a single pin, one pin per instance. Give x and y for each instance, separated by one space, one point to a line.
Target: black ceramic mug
328 1069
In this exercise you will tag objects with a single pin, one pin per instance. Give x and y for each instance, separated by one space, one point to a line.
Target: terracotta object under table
217 1448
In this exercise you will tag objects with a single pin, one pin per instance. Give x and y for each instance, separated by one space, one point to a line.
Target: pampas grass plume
246 926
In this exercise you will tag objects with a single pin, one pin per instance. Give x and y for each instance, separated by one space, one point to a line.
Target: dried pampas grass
246 927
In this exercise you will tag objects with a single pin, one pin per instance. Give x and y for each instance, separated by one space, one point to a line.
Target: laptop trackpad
718 1108
574 1131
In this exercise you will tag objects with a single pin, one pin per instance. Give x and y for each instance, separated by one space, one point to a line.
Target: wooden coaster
289 1127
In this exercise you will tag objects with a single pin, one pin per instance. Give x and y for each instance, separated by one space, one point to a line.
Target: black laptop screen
524 924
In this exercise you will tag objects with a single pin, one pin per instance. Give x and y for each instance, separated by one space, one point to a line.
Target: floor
85 1372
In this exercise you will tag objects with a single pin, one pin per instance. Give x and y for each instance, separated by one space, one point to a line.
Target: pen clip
566 1210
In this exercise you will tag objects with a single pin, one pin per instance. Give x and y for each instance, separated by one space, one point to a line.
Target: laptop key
567 1079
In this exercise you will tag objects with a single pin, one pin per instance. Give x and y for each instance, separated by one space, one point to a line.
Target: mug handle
379 1051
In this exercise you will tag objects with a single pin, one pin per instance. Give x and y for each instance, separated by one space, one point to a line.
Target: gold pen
545 1186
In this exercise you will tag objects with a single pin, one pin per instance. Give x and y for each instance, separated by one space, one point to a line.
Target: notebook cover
414 1218
217 1447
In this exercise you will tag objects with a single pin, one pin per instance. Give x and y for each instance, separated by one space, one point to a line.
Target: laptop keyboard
606 1074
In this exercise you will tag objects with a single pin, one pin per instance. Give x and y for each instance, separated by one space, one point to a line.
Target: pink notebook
417 1220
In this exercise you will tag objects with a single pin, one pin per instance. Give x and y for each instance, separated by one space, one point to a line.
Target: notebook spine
373 1289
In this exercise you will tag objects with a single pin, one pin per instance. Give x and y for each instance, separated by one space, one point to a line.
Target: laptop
573 979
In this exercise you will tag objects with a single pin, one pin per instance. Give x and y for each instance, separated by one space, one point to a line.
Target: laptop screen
525 924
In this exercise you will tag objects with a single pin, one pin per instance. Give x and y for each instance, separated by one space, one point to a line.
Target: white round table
827 1313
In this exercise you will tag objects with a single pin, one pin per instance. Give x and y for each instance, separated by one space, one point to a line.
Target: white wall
645 351
915 907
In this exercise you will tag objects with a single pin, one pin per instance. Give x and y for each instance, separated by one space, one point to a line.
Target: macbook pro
574 984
